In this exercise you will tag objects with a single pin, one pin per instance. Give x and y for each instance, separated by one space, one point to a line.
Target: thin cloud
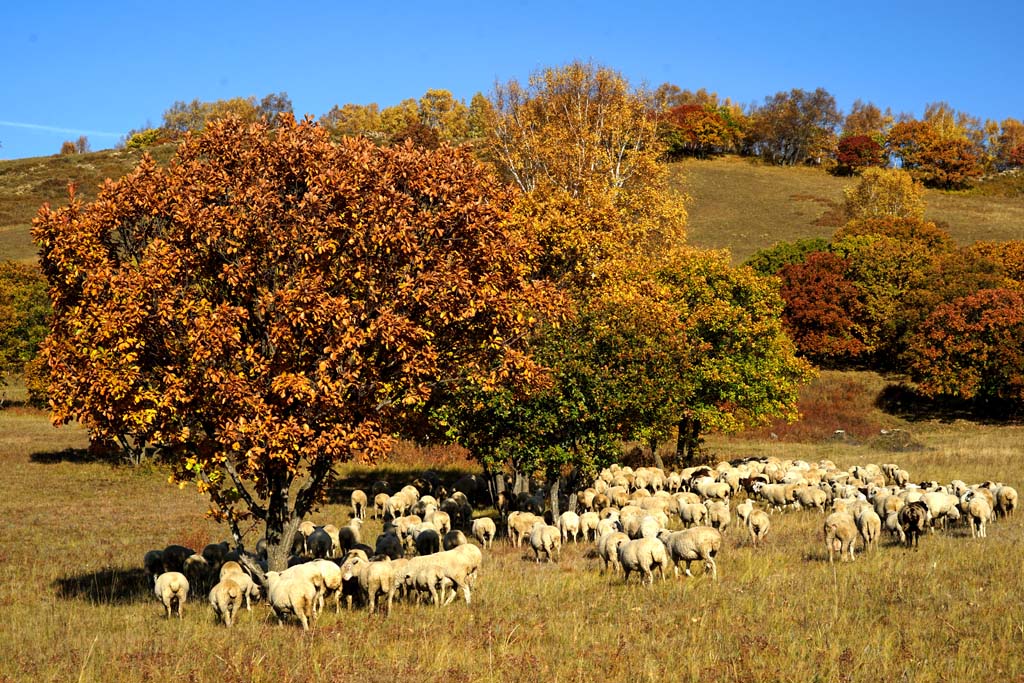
58 129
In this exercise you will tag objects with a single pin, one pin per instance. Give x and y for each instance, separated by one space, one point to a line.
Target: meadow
76 604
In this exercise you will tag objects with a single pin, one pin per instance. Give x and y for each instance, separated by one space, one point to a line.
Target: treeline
944 149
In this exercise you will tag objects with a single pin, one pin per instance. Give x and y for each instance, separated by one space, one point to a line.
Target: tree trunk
282 525
658 462
688 442
522 484
553 498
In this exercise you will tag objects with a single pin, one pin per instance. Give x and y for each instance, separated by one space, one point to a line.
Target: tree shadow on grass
110 586
903 401
78 456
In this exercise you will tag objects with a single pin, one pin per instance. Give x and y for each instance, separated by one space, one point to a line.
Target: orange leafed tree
272 304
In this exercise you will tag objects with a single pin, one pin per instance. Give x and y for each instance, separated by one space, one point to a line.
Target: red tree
857 152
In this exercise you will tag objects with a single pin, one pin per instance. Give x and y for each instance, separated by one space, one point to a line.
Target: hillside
745 206
735 203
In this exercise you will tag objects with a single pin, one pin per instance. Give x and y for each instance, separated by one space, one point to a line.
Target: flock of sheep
424 553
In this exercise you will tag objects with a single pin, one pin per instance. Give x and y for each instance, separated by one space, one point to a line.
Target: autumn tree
771 260
272 304
855 153
353 119
938 155
697 130
973 348
881 193
447 116
1009 145
867 120
795 127
1009 255
182 117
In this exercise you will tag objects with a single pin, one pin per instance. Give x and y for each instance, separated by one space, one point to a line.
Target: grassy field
745 206
76 605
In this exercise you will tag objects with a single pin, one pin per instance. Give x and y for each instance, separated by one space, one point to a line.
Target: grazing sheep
226 598
693 514
643 555
718 515
172 590
607 526
153 561
429 579
520 524
425 538
608 549
460 565
322 574
1006 501
545 539
442 521
250 589
319 543
380 504
892 525
743 510
811 497
302 534
978 513
358 502
569 526
293 595
349 536
389 545
215 554
777 496
375 579
453 539
869 524
335 534
197 570
700 543
174 557
484 530
588 525
840 532
913 518
758 524
939 505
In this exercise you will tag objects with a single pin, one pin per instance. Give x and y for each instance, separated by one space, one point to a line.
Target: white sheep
453 539
693 514
250 589
700 543
758 524
569 526
429 579
520 524
460 565
292 594
840 529
358 501
226 598
643 555
743 510
1006 500
484 530
869 524
718 515
588 525
608 549
375 579
978 513
172 590
380 504
547 540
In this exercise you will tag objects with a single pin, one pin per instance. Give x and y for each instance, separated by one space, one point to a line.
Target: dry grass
745 206
76 606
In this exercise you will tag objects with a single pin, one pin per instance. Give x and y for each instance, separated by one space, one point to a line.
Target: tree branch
258 511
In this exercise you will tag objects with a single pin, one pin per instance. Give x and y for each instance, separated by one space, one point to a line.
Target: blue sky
104 68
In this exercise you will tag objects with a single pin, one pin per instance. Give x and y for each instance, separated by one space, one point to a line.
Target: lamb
643 555
226 598
358 501
869 524
375 579
840 530
913 518
569 526
690 545
545 539
452 539
608 549
758 524
172 590
484 530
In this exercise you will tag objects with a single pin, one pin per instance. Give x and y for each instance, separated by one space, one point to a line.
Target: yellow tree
352 119
582 145
445 114
883 193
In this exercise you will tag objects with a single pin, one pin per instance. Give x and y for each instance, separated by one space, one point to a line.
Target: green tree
24 315
272 304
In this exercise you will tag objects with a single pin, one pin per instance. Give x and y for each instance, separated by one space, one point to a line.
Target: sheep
215 554
381 502
892 525
519 526
250 589
718 515
758 524
153 562
442 521
460 565
569 526
172 590
349 535
840 529
811 497
913 518
869 524
545 539
302 534
197 570
588 525
643 555
319 543
693 514
335 535
425 538
429 579
607 526
1006 501
743 510
375 579
777 496
358 502
700 543
453 539
978 512
174 557
388 544
226 598
323 575
484 530
293 594
608 549
939 504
